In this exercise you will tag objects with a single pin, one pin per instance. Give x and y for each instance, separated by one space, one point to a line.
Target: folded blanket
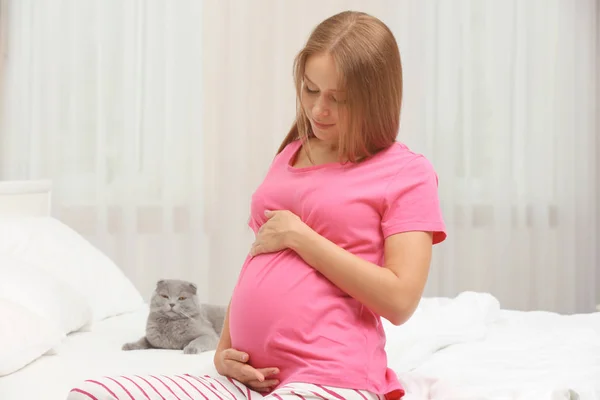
436 324
524 355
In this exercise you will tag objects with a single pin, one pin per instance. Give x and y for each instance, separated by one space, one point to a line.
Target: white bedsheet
462 348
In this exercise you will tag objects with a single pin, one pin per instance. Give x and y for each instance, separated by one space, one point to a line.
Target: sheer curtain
156 120
3 37
105 98
598 153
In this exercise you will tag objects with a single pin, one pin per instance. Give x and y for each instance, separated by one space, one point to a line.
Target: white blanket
438 323
523 356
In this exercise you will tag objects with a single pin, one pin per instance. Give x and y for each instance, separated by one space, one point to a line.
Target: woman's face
322 101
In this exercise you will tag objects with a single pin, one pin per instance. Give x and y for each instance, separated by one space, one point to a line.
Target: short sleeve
412 202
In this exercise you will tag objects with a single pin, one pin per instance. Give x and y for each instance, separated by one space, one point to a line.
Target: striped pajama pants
189 387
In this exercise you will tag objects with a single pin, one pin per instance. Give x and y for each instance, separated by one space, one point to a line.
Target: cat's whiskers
184 314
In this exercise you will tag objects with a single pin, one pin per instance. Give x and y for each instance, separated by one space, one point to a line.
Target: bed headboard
25 198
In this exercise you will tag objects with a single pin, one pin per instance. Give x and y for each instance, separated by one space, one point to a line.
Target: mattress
534 356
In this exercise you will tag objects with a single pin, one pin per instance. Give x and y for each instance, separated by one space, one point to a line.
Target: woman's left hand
274 235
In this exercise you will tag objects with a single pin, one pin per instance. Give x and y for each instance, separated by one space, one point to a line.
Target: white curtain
3 36
105 98
157 119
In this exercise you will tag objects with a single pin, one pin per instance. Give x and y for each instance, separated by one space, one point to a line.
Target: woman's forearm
225 339
377 288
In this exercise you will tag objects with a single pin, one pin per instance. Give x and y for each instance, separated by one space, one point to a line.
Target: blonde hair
368 62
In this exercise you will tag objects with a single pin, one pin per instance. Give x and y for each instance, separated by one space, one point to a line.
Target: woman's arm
393 291
225 339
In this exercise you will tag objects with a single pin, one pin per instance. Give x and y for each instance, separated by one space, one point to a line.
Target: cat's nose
172 305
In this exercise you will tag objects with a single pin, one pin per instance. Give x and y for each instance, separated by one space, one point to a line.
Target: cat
178 321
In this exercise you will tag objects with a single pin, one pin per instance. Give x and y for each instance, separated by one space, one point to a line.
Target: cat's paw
189 349
139 345
129 346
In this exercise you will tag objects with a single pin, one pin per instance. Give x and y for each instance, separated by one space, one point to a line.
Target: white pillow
42 293
24 335
52 246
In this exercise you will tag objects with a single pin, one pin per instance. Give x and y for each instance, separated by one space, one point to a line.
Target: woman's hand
275 234
234 364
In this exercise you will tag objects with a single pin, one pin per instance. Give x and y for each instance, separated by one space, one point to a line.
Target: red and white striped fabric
188 387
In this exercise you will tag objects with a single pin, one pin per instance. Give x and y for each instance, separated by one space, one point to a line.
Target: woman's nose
320 109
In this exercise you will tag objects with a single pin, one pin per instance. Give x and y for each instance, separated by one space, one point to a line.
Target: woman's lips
321 125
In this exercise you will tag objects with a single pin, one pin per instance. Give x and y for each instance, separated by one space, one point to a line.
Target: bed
66 309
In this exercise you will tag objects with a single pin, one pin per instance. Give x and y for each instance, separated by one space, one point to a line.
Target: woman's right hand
234 364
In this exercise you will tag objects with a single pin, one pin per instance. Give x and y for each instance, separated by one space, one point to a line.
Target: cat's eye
164 296
182 298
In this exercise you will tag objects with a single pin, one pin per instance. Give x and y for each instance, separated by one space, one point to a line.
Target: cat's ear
160 283
193 288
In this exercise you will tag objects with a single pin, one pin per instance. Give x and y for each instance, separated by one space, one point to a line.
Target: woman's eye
309 90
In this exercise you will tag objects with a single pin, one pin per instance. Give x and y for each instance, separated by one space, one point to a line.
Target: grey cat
178 321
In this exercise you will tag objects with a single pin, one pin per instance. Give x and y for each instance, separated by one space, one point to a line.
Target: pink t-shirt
287 315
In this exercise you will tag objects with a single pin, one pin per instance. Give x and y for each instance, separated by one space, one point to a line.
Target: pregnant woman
344 222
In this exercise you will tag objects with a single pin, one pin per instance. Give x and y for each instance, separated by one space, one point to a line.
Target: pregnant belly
285 314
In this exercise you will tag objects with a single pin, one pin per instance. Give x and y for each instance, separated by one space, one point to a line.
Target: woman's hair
367 58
